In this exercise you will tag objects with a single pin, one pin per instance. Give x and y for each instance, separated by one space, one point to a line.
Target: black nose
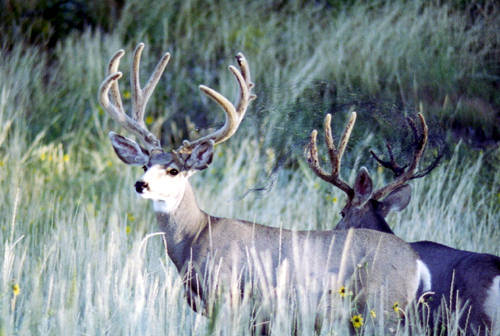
140 186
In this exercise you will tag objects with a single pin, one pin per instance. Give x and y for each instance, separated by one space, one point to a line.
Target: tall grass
86 259
77 241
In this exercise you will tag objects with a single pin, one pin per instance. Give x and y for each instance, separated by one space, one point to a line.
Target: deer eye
172 171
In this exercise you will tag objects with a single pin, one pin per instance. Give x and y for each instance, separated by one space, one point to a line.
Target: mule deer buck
245 253
472 278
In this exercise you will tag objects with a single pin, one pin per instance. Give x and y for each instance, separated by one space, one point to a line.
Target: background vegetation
76 256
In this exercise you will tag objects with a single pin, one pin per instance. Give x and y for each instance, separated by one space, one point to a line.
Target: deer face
164 181
166 173
362 211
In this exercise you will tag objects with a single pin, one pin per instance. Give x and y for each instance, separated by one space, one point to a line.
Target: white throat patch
164 207
165 190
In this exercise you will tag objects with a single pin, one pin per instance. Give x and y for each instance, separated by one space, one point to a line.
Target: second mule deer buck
211 253
472 278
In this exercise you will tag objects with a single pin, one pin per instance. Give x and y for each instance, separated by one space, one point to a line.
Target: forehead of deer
354 206
166 159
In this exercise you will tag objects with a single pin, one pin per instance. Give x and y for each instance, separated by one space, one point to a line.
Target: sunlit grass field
79 249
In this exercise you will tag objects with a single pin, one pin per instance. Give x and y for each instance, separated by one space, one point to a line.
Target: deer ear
128 150
363 186
201 155
396 200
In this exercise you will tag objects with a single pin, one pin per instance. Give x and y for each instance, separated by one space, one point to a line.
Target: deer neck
365 217
382 225
182 226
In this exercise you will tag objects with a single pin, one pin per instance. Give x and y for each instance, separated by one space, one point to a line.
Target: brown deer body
471 278
212 253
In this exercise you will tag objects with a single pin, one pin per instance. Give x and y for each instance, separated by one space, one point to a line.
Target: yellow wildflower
149 120
126 94
43 156
334 199
373 314
342 291
130 217
128 229
16 290
357 321
66 157
395 306
3 163
109 163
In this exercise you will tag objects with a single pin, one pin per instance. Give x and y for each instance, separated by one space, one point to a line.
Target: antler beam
140 97
402 174
234 115
311 153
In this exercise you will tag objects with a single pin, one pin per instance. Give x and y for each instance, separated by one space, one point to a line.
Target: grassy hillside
79 252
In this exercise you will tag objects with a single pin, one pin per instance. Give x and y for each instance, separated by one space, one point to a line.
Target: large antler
335 154
405 173
234 115
140 97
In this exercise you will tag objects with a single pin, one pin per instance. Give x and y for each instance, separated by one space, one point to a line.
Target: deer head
167 171
366 207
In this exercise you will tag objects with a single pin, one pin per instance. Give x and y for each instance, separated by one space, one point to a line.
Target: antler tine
327 126
420 143
141 96
234 115
391 164
311 153
114 63
245 95
134 124
345 138
410 173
